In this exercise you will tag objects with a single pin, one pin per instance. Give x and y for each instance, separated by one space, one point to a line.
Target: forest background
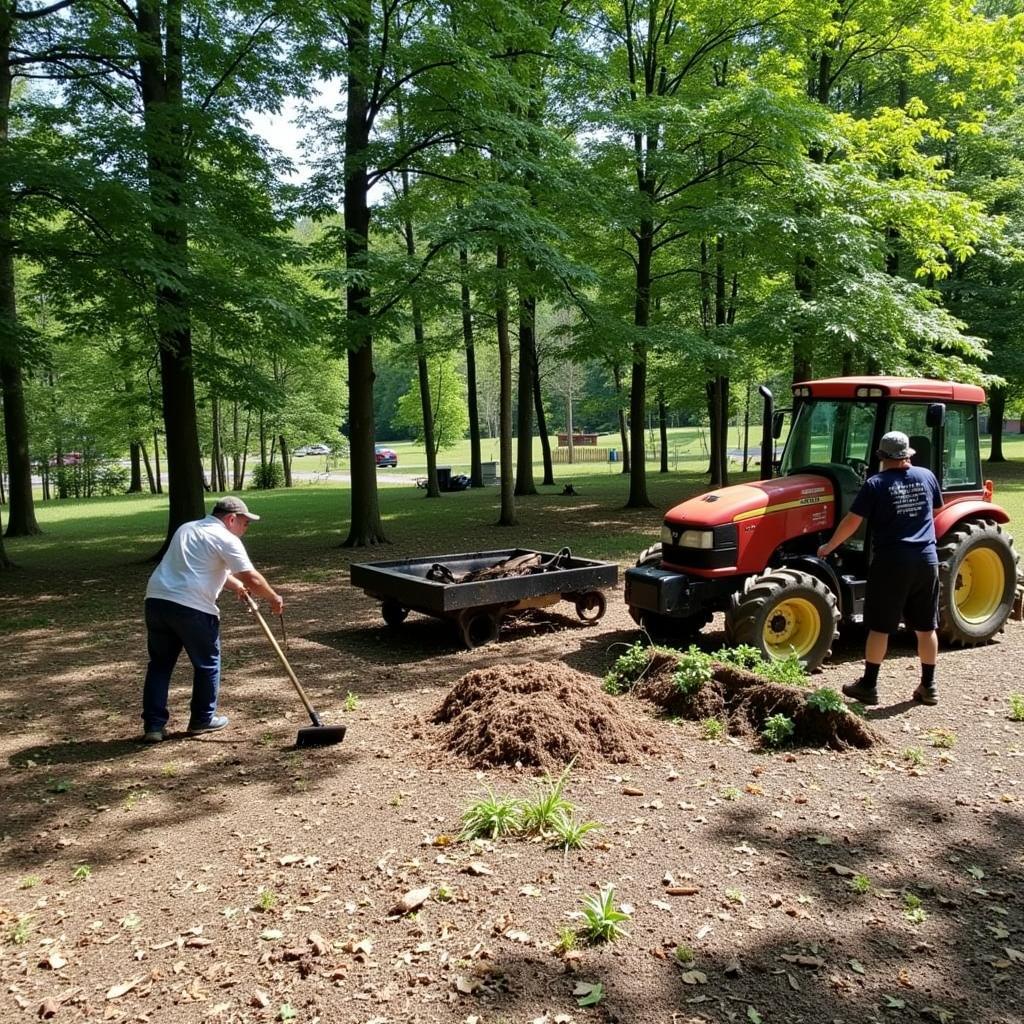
518 218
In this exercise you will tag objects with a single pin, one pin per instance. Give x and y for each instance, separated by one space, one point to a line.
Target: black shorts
901 593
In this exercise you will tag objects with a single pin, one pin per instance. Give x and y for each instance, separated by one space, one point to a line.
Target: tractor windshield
831 431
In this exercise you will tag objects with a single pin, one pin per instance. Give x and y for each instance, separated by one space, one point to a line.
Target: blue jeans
171 627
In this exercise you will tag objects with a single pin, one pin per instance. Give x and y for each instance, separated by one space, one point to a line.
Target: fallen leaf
803 960
1014 954
793 983
364 946
704 929
753 1016
220 1008
319 944
892 1003
661 904
733 969
588 994
517 936
54 961
116 991
975 872
467 986
478 867
48 1008
260 999
411 900
857 967
271 934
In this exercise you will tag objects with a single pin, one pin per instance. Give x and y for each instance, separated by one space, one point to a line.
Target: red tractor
750 550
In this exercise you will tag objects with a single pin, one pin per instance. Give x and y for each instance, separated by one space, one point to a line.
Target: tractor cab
750 550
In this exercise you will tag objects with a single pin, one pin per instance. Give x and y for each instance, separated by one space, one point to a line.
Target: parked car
318 449
304 450
385 456
67 459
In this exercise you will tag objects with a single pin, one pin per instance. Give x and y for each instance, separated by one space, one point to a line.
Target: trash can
613 455
488 473
444 477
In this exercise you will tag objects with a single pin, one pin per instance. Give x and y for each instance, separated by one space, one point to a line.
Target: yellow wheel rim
980 582
792 627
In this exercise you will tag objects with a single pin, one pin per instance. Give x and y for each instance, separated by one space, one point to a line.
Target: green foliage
602 921
81 873
19 932
860 884
628 669
491 816
447 400
778 730
1017 707
266 899
267 476
712 728
942 738
913 756
547 805
566 940
684 954
827 701
693 670
351 702
572 833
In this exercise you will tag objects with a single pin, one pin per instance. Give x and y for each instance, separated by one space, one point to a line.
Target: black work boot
925 694
861 692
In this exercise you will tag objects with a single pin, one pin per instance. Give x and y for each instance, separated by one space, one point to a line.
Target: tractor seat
922 446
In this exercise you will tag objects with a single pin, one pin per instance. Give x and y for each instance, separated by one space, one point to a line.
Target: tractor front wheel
785 612
977 583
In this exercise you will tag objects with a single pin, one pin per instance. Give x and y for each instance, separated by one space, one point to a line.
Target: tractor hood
743 502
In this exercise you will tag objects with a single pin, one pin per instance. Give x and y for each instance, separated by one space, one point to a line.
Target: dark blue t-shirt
898 504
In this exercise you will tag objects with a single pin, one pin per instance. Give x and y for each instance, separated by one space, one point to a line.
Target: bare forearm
255 582
849 525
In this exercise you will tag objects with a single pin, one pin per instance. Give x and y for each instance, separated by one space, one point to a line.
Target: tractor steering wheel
859 466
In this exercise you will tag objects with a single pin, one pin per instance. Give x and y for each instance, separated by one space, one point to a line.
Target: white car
317 449
304 450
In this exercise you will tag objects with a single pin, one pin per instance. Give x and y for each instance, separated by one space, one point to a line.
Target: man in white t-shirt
203 558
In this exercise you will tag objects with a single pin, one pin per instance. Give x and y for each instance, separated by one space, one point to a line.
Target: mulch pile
744 700
542 715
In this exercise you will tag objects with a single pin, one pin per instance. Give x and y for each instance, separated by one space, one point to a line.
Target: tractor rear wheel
977 583
785 612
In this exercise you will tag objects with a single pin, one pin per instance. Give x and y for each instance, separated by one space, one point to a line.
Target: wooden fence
580 453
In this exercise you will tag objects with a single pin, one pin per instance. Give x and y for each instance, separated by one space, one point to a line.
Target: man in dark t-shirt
903 580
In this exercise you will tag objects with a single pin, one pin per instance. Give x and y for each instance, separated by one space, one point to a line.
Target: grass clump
266 899
693 671
914 756
572 833
602 921
491 816
860 884
778 730
825 699
566 940
541 813
912 909
712 728
789 670
627 670
82 873
351 702
1017 707
943 738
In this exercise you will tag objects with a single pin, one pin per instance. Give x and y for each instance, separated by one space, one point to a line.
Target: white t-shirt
199 559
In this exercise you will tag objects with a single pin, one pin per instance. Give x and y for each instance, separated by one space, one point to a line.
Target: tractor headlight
701 539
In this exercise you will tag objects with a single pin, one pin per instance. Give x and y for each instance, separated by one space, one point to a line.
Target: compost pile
542 715
745 700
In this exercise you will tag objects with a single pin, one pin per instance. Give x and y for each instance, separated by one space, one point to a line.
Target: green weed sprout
540 815
778 730
627 670
602 921
692 672
825 699
1017 707
491 816
712 728
572 834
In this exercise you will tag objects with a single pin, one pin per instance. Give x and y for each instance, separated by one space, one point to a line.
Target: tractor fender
820 569
969 508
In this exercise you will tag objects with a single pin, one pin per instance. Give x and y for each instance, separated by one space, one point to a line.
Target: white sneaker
153 736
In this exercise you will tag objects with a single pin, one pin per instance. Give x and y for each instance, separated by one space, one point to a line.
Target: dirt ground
232 878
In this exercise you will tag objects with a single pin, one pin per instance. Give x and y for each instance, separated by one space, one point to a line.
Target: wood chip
411 901
682 890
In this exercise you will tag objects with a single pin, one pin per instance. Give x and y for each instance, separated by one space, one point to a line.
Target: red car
385 456
67 459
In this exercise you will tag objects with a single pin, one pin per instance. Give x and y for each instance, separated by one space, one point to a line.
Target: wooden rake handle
254 608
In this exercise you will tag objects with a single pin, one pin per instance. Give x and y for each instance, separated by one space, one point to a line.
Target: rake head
320 736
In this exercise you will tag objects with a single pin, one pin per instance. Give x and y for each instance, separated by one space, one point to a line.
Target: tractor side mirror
936 415
777 420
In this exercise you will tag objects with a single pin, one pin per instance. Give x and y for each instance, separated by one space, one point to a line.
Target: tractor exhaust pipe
767 431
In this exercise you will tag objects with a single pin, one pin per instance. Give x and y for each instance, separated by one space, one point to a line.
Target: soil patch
542 715
744 701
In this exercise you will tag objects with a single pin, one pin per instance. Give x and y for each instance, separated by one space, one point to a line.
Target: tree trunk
638 380
476 476
135 484
623 431
286 460
542 423
156 463
663 429
508 501
21 514
149 469
5 562
524 417
996 409
160 69
365 526
216 482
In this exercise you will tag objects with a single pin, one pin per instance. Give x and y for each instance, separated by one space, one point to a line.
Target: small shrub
912 909
628 669
351 702
110 480
684 954
20 930
572 834
730 793
860 884
443 894
1017 707
540 814
824 699
712 728
566 940
29 882
266 477
788 671
742 656
913 756
491 816
944 738
602 921
778 730
266 899
81 873
692 672
735 896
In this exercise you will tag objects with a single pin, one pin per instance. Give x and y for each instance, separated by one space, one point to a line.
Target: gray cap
895 445
231 504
